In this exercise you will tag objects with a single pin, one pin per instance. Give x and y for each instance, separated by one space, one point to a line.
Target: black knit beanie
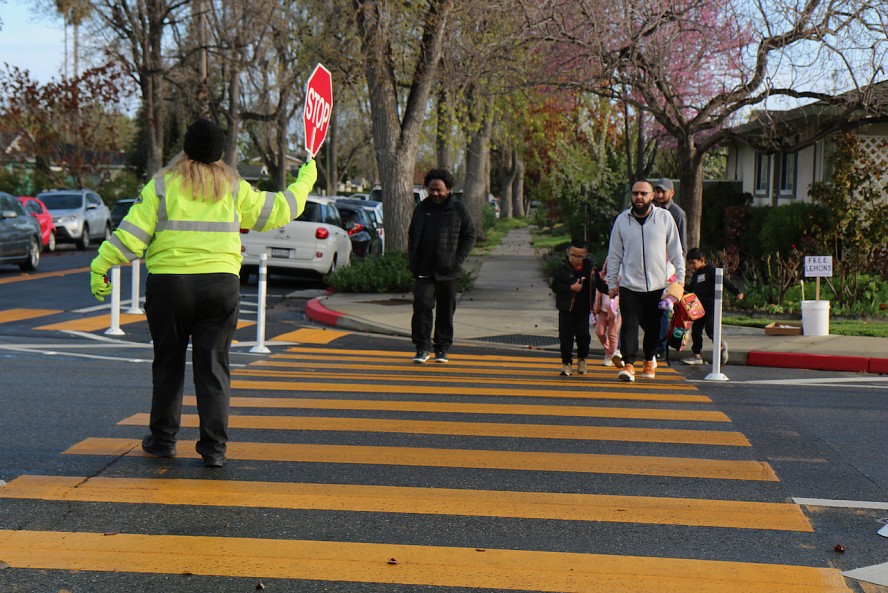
204 141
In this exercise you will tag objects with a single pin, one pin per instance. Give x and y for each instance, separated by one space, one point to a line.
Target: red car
38 210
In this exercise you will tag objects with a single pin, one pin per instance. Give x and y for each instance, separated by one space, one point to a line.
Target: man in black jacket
440 237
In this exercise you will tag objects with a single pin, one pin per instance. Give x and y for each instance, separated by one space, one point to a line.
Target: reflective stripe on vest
165 224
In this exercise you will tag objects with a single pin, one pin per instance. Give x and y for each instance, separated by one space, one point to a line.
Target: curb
315 311
818 362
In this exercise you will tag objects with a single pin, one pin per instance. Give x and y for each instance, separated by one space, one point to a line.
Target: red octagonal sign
318 108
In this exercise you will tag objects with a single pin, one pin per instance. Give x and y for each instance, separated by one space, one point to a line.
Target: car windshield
62 201
312 213
121 208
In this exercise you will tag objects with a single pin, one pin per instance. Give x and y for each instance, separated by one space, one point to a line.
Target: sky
30 42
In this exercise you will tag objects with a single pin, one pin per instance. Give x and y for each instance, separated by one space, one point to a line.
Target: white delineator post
134 308
260 311
716 374
115 330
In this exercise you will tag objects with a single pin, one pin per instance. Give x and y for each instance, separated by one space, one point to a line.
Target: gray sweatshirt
638 253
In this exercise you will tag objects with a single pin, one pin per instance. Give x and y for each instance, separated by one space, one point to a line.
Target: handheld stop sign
318 108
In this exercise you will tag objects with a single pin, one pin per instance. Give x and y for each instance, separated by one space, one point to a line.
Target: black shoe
148 446
440 356
421 356
214 461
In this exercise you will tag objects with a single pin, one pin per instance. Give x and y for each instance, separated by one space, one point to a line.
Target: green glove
99 284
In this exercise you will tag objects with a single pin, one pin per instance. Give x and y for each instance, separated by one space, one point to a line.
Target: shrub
794 225
387 273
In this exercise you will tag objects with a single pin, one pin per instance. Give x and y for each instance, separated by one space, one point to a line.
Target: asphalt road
354 470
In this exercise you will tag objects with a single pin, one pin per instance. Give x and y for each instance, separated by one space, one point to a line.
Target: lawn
839 327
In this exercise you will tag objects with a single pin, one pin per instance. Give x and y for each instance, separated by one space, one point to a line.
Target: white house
782 174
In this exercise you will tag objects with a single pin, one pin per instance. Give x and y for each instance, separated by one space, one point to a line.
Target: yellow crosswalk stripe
685 467
364 387
473 568
26 277
579 411
311 336
482 429
550 371
91 324
426 501
466 360
9 315
583 382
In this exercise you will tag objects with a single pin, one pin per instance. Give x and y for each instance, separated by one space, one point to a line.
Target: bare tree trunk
332 159
518 187
691 197
477 157
397 138
445 150
233 116
507 181
280 174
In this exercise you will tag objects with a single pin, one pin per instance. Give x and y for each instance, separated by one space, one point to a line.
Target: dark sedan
361 230
20 241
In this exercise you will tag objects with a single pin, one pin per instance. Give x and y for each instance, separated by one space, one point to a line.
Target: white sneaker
581 366
565 370
695 359
607 361
724 352
617 359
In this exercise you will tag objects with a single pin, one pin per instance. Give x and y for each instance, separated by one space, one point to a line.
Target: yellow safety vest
183 235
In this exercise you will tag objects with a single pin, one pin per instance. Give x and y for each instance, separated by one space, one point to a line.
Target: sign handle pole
817 289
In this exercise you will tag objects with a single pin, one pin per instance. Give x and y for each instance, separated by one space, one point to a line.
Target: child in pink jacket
607 325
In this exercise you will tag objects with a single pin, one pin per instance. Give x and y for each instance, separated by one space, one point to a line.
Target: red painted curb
878 366
816 362
315 311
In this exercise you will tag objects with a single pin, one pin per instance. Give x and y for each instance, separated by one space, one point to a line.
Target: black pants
204 309
433 299
573 325
639 308
706 322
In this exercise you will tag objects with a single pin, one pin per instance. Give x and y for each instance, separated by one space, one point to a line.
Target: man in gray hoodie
642 240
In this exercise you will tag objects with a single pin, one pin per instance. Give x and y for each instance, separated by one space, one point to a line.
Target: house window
788 173
762 173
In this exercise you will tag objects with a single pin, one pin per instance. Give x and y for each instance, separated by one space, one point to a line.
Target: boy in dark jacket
703 285
572 284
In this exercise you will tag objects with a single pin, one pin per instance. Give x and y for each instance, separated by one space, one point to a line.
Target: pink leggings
607 328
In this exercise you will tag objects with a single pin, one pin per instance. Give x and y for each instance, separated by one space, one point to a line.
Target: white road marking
876 574
842 504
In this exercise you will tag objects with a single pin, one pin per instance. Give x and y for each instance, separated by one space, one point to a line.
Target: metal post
260 311
134 308
115 330
716 374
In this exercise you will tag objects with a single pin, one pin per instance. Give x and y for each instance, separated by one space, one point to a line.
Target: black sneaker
440 356
149 446
421 356
214 461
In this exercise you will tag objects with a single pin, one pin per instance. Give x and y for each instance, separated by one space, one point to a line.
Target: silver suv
79 215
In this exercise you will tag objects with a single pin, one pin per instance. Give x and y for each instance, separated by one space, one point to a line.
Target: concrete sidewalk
511 304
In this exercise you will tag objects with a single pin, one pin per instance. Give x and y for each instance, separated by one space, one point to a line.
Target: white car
315 242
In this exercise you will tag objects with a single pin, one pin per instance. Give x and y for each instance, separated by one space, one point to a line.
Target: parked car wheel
51 244
84 239
33 260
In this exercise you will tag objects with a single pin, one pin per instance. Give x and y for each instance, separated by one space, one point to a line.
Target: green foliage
719 199
386 273
121 186
797 225
20 181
